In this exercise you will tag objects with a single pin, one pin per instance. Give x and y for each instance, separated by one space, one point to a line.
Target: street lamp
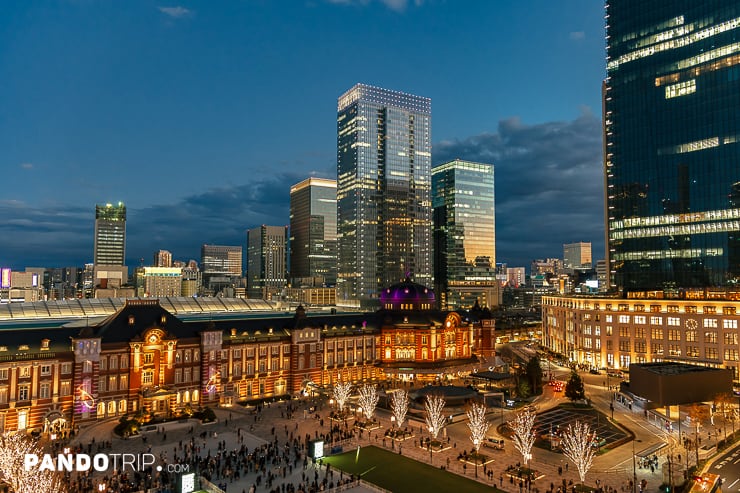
430 447
634 467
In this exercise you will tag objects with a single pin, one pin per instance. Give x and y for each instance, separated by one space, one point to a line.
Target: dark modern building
313 232
267 259
384 213
221 266
672 159
110 234
464 234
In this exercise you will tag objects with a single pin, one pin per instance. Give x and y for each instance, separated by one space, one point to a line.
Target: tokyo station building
71 363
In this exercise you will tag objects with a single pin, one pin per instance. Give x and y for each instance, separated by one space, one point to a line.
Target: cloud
27 165
395 5
548 184
175 12
577 35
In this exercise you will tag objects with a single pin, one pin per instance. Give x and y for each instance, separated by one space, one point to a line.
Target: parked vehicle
494 443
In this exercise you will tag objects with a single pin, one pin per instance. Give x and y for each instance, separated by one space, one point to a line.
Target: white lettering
29 461
100 462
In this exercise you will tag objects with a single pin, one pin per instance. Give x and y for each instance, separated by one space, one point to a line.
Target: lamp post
430 446
634 467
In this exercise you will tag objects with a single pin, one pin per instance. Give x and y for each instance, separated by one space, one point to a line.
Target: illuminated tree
13 451
577 444
478 424
524 434
368 400
342 391
400 406
435 419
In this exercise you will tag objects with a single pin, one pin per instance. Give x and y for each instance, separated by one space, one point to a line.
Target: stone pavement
613 469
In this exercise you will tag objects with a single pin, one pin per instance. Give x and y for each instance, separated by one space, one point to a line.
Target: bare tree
577 443
368 400
342 391
14 449
478 424
400 406
435 419
524 434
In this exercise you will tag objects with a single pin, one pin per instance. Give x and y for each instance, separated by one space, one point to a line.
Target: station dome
407 295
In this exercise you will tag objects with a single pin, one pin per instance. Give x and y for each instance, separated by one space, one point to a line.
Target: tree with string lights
478 424
13 450
577 444
341 393
524 433
400 406
368 400
435 419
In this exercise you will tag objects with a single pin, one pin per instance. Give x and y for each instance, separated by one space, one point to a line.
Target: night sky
199 115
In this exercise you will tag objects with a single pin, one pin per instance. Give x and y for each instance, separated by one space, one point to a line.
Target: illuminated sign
187 483
85 398
212 381
35 280
5 278
317 449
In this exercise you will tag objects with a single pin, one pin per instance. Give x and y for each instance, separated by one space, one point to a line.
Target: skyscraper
464 234
577 255
162 258
313 232
672 155
110 234
221 266
383 192
267 250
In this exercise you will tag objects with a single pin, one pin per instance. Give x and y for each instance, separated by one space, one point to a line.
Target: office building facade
672 158
384 213
162 258
110 234
313 232
267 260
221 266
577 255
464 234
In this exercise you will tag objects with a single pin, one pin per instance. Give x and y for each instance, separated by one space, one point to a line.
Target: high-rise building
672 157
464 234
157 282
267 251
384 214
221 266
162 258
313 232
110 234
577 255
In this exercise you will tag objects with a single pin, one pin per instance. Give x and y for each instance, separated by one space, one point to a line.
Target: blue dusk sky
200 115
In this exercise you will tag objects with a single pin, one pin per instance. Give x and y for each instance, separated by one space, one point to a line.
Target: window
3 373
250 369
730 338
731 354
123 381
87 366
657 348
23 394
710 353
674 335
44 390
65 388
624 345
674 321
710 309
690 336
112 383
424 340
656 320
640 347
66 368
624 332
655 308
728 310
148 358
237 353
3 395
710 323
609 344
692 351
674 350
640 333
103 363
608 330
178 375
101 384
729 324
624 319
25 372
710 337
640 319
124 362
147 377
113 362
656 334
45 370
609 318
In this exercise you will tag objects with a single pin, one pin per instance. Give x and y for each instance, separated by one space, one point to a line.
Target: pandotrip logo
98 462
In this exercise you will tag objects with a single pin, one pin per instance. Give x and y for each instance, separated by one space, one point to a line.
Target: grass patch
400 474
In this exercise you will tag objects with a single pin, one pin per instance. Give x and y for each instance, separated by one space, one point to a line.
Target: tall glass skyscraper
672 157
110 234
384 214
267 260
464 234
313 232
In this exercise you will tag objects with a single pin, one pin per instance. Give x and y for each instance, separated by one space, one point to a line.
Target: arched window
122 406
101 410
186 396
112 408
196 396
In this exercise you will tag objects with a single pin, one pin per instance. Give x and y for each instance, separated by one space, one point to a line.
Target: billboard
5 277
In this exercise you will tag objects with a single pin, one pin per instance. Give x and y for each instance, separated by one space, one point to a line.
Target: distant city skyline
181 114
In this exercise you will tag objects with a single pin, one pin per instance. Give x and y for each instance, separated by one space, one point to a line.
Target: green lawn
400 474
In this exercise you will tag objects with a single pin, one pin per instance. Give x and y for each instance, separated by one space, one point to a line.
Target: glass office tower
672 159
313 232
110 234
384 213
464 234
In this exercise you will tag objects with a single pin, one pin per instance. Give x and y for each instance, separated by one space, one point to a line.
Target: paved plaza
288 470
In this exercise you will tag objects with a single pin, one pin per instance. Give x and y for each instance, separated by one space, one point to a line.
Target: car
594 371
494 443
